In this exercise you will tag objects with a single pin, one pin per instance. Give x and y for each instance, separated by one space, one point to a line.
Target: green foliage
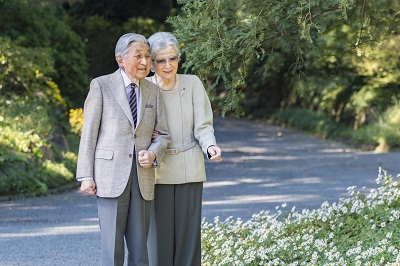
69 161
32 109
21 181
382 135
358 230
25 114
54 175
101 23
352 86
118 12
22 141
43 71
9 155
100 37
31 161
241 35
76 120
26 71
316 123
253 49
33 178
36 25
379 68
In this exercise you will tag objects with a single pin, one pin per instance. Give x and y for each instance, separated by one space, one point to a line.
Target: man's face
136 62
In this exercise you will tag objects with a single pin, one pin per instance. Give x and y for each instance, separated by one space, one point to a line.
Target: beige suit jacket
109 138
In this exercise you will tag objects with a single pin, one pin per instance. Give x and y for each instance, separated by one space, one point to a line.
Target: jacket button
130 155
134 136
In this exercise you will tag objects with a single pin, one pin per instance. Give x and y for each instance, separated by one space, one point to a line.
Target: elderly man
117 154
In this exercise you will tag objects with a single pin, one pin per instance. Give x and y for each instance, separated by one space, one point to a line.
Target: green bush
31 177
21 180
41 61
69 161
316 123
39 25
31 163
27 123
22 175
26 72
54 175
383 134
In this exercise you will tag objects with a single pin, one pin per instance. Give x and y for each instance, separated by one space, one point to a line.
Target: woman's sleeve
203 116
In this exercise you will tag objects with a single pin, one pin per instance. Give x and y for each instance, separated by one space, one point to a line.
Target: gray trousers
127 216
175 225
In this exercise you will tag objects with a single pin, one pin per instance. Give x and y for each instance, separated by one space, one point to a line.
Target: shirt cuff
208 155
84 178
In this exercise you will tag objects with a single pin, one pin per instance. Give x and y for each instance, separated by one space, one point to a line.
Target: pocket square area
148 105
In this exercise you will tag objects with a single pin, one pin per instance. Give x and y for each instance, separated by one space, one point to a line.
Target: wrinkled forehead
138 48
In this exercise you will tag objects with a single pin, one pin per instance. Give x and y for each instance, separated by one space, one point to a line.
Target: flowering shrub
76 120
358 230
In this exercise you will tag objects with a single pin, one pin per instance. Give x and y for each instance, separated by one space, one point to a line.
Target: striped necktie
133 102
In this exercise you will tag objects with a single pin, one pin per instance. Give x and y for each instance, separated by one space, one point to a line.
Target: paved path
264 166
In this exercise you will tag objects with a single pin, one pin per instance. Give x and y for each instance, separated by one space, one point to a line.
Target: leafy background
326 67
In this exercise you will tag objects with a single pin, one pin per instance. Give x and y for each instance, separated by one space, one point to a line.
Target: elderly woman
176 217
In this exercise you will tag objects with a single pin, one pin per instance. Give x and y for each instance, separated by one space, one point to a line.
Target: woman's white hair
161 40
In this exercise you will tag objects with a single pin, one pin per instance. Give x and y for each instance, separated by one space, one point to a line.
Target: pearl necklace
169 89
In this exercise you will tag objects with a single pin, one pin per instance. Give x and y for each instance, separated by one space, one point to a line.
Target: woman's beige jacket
190 122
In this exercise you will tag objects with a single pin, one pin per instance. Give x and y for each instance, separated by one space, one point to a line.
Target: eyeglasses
171 60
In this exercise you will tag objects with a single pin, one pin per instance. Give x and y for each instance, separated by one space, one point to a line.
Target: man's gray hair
161 40
125 40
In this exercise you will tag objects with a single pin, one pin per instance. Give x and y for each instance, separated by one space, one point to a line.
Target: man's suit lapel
118 89
144 95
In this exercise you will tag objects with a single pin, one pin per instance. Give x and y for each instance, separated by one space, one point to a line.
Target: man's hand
215 153
88 187
146 158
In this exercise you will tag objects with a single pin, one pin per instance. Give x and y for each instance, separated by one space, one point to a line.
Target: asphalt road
264 166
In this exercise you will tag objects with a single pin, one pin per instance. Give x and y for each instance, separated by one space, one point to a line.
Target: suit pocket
104 154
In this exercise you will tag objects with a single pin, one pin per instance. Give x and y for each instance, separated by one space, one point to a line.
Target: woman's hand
215 153
155 135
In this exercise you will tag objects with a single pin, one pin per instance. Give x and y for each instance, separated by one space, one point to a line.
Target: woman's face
165 63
